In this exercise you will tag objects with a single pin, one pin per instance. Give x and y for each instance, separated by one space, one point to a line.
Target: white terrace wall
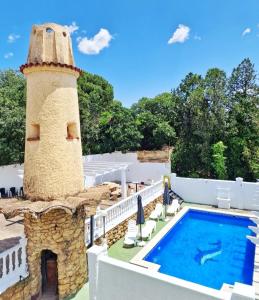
243 195
113 279
10 176
137 171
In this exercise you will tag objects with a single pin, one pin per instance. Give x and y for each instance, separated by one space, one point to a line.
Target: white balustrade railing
13 265
122 210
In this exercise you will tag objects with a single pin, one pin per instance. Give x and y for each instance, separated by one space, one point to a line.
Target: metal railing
122 210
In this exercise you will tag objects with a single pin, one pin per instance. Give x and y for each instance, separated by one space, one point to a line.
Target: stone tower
53 153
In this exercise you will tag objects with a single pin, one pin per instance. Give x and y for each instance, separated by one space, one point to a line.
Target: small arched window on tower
72 131
34 132
49 30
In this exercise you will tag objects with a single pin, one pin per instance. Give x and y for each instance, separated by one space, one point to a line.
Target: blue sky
142 47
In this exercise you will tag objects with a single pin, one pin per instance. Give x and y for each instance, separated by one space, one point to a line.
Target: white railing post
239 193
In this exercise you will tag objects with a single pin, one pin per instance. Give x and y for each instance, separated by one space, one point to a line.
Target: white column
239 194
123 184
93 254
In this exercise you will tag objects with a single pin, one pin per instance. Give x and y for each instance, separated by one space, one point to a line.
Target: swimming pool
206 248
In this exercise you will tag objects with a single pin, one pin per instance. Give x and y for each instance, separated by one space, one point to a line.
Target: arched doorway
49 273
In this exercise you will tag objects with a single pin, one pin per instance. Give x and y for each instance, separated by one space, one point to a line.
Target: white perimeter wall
111 279
137 171
243 195
10 176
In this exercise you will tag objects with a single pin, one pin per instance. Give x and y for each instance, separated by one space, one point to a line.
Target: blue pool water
207 248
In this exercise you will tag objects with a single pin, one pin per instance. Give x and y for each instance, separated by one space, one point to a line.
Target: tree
243 125
218 160
215 83
191 156
155 118
12 117
196 115
95 97
118 130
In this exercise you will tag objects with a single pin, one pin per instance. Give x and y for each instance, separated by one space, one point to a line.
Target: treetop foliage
211 121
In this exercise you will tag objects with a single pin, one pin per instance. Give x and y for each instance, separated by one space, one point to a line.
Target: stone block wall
159 156
19 291
64 235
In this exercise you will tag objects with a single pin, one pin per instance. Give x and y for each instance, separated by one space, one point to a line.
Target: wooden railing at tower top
122 210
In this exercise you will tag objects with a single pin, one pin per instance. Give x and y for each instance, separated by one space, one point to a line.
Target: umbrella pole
166 218
141 243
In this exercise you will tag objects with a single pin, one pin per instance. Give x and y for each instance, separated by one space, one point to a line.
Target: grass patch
126 254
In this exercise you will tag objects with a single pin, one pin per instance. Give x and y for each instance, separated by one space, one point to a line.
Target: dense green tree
215 83
12 117
95 96
191 156
218 160
155 118
192 118
243 122
118 130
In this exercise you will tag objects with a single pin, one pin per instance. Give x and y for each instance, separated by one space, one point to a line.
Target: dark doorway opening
49 273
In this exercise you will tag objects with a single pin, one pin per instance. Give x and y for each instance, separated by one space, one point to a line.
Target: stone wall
19 291
119 231
64 235
158 156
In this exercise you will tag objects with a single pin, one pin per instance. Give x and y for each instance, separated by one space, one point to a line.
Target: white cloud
246 31
13 37
180 35
95 44
8 55
197 37
72 28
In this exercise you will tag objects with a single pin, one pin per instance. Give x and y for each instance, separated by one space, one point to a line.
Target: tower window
49 30
72 131
34 133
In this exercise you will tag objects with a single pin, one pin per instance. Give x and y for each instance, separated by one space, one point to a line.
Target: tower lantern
53 153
